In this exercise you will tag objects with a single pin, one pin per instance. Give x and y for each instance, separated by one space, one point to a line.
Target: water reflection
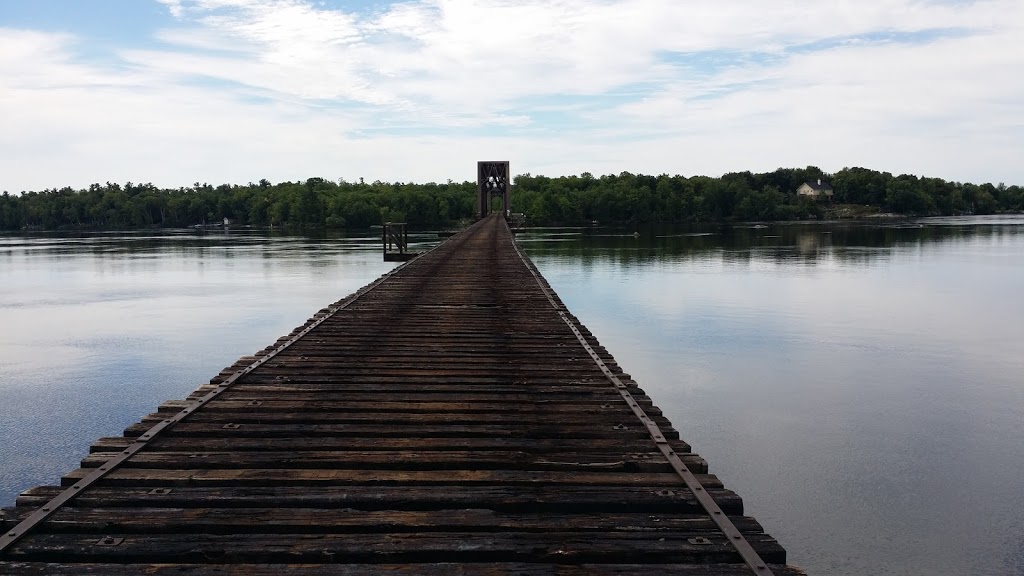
858 384
851 242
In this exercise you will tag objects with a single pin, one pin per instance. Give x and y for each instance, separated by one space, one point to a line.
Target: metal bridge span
451 417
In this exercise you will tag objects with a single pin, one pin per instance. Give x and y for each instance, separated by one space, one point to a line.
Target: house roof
815 186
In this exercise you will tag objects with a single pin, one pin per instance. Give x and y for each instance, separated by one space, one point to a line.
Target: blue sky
178 91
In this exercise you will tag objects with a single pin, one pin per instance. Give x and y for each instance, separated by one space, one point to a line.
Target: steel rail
750 557
11 537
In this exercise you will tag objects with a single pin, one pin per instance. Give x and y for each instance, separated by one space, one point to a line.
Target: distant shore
786 194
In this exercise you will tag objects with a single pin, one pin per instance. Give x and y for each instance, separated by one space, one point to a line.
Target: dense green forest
561 200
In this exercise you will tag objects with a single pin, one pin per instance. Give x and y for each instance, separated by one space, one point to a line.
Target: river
861 385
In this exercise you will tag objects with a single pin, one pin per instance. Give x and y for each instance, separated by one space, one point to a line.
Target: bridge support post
396 242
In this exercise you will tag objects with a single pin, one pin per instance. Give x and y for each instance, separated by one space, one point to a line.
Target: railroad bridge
451 417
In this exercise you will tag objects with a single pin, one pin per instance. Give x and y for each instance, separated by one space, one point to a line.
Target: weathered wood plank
448 460
624 429
549 499
299 442
301 477
551 547
261 384
480 380
437 569
526 417
597 419
417 391
572 407
345 521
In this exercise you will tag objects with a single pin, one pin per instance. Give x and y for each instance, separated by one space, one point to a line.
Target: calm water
861 386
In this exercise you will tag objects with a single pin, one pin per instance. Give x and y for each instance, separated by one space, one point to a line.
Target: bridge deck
443 420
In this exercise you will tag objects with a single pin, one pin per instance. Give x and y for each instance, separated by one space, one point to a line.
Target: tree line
745 196
313 203
626 197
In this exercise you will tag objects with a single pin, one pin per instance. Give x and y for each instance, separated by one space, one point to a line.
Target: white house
815 189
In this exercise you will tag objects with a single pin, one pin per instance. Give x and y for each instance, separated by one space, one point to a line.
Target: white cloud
481 55
174 7
240 88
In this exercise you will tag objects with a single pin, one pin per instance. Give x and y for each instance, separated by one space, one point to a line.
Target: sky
231 91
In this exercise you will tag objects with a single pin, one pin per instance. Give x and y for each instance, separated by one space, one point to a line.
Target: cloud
557 86
479 56
174 7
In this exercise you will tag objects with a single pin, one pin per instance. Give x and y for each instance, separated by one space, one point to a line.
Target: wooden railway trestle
460 440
